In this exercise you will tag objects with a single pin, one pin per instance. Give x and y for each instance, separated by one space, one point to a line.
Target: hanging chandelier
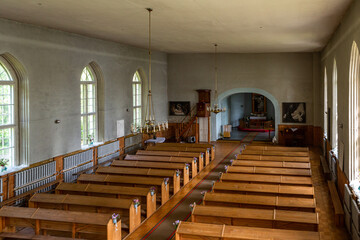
150 127
216 109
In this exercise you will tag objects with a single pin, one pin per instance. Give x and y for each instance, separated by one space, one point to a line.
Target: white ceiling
179 26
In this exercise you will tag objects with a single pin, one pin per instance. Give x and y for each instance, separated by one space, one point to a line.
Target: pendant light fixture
150 126
216 109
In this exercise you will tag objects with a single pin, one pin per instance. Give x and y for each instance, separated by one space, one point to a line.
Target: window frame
326 112
335 130
15 125
87 114
140 106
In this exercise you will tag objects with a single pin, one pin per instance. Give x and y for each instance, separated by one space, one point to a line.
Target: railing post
59 161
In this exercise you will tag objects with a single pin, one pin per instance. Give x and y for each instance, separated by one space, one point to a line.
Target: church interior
193 119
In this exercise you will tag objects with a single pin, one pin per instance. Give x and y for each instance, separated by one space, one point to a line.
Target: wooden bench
275 164
264 189
128 181
193 145
185 169
190 160
206 151
339 211
43 220
269 170
277 148
259 201
276 153
264 218
129 212
18 235
191 231
146 195
144 172
200 156
272 158
325 168
263 178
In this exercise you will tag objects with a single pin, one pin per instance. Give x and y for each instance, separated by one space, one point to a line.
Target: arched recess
23 108
216 125
144 90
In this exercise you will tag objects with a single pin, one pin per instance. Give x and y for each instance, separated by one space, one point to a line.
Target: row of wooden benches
258 199
85 208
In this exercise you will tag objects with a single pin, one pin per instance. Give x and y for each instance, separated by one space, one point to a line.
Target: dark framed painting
258 103
179 108
294 112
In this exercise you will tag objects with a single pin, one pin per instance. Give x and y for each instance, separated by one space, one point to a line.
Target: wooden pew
144 172
259 201
155 165
193 145
264 189
18 236
275 153
264 218
264 178
339 211
269 170
128 181
191 231
200 156
274 164
129 212
43 220
206 151
146 195
272 158
277 148
190 160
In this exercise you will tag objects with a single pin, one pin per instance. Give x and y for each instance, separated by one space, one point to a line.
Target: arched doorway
216 122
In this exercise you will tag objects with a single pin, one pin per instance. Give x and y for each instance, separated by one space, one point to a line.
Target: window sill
13 169
355 184
95 144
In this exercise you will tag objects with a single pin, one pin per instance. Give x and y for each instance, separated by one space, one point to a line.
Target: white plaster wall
54 61
288 77
339 48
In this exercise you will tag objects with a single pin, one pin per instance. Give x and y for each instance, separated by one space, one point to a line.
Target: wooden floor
327 228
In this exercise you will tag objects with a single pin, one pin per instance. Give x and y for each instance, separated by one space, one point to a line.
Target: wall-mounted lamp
57 121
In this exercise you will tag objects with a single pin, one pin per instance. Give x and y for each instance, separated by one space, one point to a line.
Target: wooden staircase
185 126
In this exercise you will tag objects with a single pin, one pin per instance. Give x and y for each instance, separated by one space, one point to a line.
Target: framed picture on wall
294 112
179 108
258 103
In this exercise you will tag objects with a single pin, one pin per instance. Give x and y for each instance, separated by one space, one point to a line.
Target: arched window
88 96
8 114
325 105
354 84
137 92
334 130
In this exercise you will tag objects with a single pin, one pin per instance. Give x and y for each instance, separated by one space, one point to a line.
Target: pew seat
156 165
43 220
6 235
148 158
269 170
264 178
130 214
200 156
161 183
264 189
148 172
338 207
277 148
275 153
274 164
192 145
206 151
144 194
264 218
191 231
260 157
259 201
